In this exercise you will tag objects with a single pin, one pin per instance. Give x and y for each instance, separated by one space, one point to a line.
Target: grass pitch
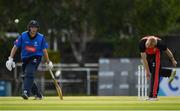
89 103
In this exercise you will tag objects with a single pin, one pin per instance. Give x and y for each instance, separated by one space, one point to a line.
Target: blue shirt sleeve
44 43
18 41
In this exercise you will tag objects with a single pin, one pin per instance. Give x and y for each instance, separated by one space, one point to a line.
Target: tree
85 20
155 16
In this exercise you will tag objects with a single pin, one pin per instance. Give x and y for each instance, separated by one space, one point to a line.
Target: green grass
89 103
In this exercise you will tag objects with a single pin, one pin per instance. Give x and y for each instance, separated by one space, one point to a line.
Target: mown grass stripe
92 103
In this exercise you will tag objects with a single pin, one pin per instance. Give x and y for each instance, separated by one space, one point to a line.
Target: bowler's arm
171 57
145 62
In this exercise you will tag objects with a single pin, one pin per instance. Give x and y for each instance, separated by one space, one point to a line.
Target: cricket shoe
173 74
39 97
24 96
152 99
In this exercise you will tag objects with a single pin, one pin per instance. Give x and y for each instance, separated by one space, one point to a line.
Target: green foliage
126 48
108 18
54 56
5 47
111 16
155 16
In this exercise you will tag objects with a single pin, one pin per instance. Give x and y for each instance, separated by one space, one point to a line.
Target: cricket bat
58 88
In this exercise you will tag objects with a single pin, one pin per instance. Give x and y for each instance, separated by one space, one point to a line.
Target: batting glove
50 65
10 64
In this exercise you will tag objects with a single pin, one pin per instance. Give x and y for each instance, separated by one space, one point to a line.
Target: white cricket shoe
152 99
38 98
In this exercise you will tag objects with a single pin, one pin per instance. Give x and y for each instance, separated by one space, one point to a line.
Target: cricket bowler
151 48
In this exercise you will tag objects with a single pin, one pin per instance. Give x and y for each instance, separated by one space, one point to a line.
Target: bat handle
51 73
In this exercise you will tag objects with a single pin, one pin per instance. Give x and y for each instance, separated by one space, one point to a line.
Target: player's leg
154 80
173 74
35 90
30 69
152 70
166 72
25 95
28 80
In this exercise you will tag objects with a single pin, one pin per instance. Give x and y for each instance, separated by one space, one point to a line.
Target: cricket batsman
33 46
151 48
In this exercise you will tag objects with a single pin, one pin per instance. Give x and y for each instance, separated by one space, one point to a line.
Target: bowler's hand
174 62
147 75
